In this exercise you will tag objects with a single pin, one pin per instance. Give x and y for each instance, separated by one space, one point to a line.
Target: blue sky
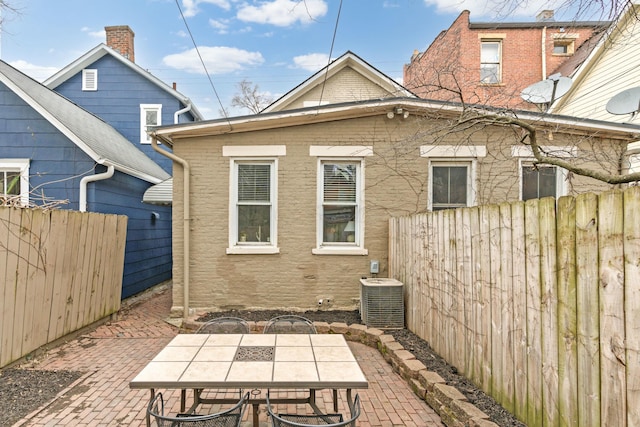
275 44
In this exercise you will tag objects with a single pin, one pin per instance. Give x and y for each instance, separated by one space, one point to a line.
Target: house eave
414 106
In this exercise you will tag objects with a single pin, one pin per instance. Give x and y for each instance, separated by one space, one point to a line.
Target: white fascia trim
453 151
340 151
550 150
254 150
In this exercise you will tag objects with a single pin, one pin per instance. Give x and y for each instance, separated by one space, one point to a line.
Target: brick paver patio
112 354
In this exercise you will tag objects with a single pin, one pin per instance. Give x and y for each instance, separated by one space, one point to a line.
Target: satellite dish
625 102
547 91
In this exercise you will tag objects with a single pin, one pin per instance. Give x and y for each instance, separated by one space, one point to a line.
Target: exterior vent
382 303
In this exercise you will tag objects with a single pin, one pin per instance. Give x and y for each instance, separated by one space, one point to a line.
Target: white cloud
218 60
219 24
312 62
36 72
100 34
190 7
283 13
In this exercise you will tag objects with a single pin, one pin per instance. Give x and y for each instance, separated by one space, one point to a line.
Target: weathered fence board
59 271
567 361
549 310
533 314
631 306
612 354
519 337
588 310
538 302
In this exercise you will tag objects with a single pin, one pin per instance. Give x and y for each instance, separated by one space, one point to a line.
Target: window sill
253 250
339 251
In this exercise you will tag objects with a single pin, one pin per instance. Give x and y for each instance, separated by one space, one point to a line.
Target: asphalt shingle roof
95 137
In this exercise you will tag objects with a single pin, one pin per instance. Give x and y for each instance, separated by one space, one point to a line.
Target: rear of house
291 208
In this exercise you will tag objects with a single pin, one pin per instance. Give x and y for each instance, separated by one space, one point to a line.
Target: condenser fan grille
382 303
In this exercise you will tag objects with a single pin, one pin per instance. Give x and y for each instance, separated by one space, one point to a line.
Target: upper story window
564 44
253 195
340 210
89 80
14 180
150 115
490 62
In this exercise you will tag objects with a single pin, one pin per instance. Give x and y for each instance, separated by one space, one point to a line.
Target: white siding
616 68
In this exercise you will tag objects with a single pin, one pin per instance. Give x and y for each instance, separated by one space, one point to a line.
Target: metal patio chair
228 418
303 420
289 324
225 325
221 325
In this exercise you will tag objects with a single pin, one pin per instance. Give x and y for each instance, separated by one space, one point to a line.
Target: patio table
253 361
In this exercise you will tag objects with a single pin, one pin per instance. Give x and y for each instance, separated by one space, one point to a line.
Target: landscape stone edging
452 406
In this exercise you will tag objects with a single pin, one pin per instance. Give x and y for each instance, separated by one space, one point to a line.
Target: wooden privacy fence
60 270
537 303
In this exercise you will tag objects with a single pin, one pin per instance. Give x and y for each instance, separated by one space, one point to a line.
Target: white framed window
340 206
14 179
537 181
490 61
340 199
452 174
150 115
89 80
451 184
564 44
253 209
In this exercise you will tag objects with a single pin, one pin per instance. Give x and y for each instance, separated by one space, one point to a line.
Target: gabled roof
346 60
625 26
98 52
97 139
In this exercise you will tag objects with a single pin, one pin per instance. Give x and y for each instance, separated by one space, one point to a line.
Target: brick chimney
120 38
545 16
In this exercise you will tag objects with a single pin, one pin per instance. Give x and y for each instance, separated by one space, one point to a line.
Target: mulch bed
22 391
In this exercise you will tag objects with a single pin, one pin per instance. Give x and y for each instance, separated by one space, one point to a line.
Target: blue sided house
65 153
107 82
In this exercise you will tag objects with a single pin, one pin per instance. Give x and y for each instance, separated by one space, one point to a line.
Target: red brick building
491 63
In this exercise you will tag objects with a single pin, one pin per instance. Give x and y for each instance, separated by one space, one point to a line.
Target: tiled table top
253 361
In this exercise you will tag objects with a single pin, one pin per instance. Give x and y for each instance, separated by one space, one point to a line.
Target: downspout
82 202
179 112
186 219
544 53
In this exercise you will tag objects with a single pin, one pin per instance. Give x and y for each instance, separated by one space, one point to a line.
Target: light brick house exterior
394 143
517 55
